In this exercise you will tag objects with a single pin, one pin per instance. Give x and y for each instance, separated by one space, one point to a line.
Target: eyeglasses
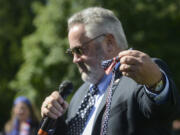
80 50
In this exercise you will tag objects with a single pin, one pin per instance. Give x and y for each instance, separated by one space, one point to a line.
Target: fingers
65 105
125 68
130 66
131 60
50 114
54 106
133 53
55 95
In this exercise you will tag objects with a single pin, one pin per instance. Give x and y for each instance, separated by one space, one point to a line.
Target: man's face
89 62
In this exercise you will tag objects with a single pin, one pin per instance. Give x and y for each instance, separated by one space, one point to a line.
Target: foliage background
33 39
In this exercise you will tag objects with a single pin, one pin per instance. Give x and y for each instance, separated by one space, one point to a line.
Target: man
136 98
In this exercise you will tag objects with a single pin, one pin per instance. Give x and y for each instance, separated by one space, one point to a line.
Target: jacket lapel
103 102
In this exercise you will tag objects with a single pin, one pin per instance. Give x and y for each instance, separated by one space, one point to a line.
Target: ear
110 43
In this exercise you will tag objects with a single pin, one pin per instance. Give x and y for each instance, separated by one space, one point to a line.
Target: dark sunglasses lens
71 52
78 51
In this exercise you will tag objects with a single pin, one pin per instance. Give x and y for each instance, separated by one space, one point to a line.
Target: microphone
65 88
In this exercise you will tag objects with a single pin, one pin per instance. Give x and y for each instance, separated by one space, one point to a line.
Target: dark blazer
133 112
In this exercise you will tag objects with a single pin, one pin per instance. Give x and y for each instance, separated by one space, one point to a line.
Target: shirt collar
104 83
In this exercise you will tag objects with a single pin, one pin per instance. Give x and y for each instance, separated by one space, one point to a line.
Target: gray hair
98 21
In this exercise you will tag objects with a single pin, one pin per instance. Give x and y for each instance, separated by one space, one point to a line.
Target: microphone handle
47 123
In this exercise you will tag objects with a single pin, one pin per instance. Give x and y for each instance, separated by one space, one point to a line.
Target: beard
90 73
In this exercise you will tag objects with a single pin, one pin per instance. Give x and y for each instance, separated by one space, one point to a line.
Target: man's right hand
54 106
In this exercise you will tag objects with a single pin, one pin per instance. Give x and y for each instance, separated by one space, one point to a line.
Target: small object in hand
108 65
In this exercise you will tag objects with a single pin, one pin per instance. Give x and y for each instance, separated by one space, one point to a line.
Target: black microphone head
65 88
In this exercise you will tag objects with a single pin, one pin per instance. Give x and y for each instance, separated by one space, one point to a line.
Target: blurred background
33 39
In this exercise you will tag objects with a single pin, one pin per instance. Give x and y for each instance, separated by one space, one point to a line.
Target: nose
76 58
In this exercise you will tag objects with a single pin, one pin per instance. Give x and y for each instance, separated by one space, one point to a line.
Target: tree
15 22
45 64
